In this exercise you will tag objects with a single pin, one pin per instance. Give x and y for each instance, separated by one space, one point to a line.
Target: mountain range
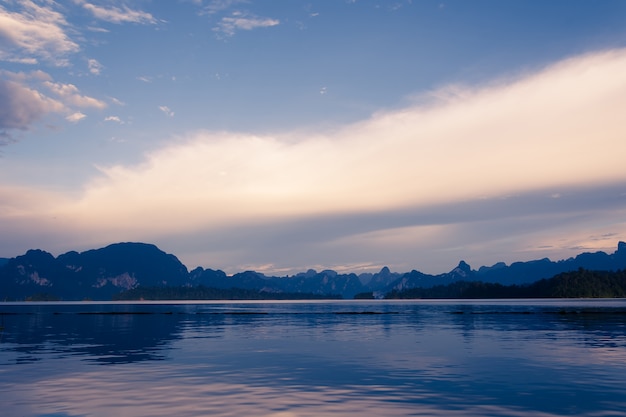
100 274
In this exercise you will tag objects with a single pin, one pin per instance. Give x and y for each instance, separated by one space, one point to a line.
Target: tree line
208 293
576 284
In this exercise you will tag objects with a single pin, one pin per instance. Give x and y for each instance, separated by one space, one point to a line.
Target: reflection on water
339 358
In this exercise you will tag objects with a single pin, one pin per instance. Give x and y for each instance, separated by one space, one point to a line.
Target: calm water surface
332 358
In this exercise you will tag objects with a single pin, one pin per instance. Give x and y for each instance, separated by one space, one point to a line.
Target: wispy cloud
115 119
168 112
35 31
462 170
117 101
113 14
217 6
229 25
70 95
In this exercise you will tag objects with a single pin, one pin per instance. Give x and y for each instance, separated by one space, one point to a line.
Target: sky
284 135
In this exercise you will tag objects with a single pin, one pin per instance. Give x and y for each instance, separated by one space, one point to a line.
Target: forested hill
577 284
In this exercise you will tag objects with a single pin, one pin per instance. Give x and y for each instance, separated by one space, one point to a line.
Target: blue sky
286 135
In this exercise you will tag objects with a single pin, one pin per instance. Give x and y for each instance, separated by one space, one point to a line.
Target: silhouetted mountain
515 274
102 273
206 277
96 274
526 272
325 282
34 272
310 282
381 280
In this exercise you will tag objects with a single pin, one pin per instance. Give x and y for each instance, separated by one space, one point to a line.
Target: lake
314 358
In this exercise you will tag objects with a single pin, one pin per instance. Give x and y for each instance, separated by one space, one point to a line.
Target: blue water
323 358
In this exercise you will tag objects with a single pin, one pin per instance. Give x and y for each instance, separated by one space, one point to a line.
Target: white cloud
122 14
228 26
35 31
75 117
499 154
94 66
168 112
113 119
70 95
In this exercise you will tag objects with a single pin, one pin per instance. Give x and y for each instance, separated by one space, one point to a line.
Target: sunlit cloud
461 168
113 14
36 31
70 94
76 117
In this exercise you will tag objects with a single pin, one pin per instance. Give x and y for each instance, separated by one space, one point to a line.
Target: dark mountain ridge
100 274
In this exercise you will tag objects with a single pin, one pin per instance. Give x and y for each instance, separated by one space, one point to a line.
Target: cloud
117 101
168 112
22 102
35 31
113 119
70 95
216 6
228 26
20 106
94 66
118 15
76 117
462 172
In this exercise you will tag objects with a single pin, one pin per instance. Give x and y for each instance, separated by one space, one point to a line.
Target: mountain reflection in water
337 358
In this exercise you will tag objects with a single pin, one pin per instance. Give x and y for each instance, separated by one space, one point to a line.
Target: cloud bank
461 170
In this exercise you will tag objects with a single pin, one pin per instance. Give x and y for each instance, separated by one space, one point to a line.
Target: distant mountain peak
462 271
464 266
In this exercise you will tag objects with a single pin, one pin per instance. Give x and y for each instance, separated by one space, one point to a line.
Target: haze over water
340 358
